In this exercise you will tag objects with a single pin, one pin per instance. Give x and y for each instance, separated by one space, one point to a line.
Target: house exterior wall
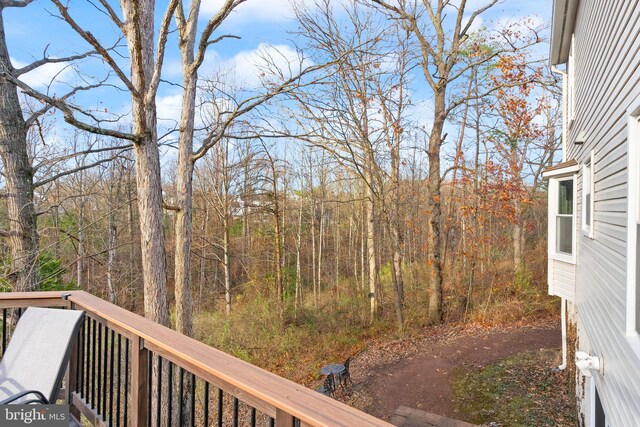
607 82
563 279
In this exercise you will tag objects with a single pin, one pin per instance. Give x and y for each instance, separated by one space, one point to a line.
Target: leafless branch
75 154
48 60
211 26
67 110
90 38
70 172
226 36
15 3
249 104
162 42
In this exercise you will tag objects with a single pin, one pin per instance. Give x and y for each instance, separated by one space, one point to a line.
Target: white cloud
169 107
475 25
470 6
420 112
261 11
253 11
173 68
254 67
45 75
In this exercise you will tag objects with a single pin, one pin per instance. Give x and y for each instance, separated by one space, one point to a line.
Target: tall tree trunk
313 248
298 272
139 18
337 253
111 256
246 205
203 254
56 225
395 230
184 238
320 245
353 226
517 236
363 246
227 268
225 214
277 243
133 270
371 247
80 262
150 214
23 233
397 276
184 186
435 208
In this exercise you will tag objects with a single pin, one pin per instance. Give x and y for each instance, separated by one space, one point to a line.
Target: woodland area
328 197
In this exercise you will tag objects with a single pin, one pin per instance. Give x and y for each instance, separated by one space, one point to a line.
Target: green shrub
51 271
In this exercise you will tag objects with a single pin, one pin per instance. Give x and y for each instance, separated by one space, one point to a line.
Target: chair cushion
38 353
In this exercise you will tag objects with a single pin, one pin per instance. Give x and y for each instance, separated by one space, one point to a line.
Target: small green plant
523 282
51 271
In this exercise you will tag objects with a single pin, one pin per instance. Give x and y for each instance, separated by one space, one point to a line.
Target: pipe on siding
563 366
565 88
564 336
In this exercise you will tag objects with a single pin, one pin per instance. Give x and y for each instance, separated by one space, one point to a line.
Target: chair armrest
39 395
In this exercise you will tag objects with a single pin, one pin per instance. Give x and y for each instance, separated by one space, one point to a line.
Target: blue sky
261 24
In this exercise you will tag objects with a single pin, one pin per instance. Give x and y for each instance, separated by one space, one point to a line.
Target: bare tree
346 119
31 163
192 57
441 41
18 169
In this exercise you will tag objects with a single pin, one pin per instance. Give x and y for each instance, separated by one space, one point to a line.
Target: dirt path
421 378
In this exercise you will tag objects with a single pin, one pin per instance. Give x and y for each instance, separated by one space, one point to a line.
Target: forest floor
439 372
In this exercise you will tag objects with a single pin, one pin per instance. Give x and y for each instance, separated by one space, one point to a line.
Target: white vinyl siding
607 82
562 281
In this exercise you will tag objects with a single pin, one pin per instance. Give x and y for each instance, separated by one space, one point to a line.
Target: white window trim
633 217
553 209
588 168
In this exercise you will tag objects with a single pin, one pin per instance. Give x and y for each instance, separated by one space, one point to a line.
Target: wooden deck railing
126 370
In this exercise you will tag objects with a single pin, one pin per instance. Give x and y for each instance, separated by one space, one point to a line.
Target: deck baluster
206 404
170 387
180 397
193 400
220 406
112 386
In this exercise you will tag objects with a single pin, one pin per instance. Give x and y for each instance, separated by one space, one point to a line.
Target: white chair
36 359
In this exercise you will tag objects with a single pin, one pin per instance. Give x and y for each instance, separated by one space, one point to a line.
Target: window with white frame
633 228
562 218
588 196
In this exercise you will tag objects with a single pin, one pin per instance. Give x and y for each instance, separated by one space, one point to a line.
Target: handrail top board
308 406
8 296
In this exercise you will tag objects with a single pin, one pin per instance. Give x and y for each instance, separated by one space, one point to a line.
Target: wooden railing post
139 383
283 419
